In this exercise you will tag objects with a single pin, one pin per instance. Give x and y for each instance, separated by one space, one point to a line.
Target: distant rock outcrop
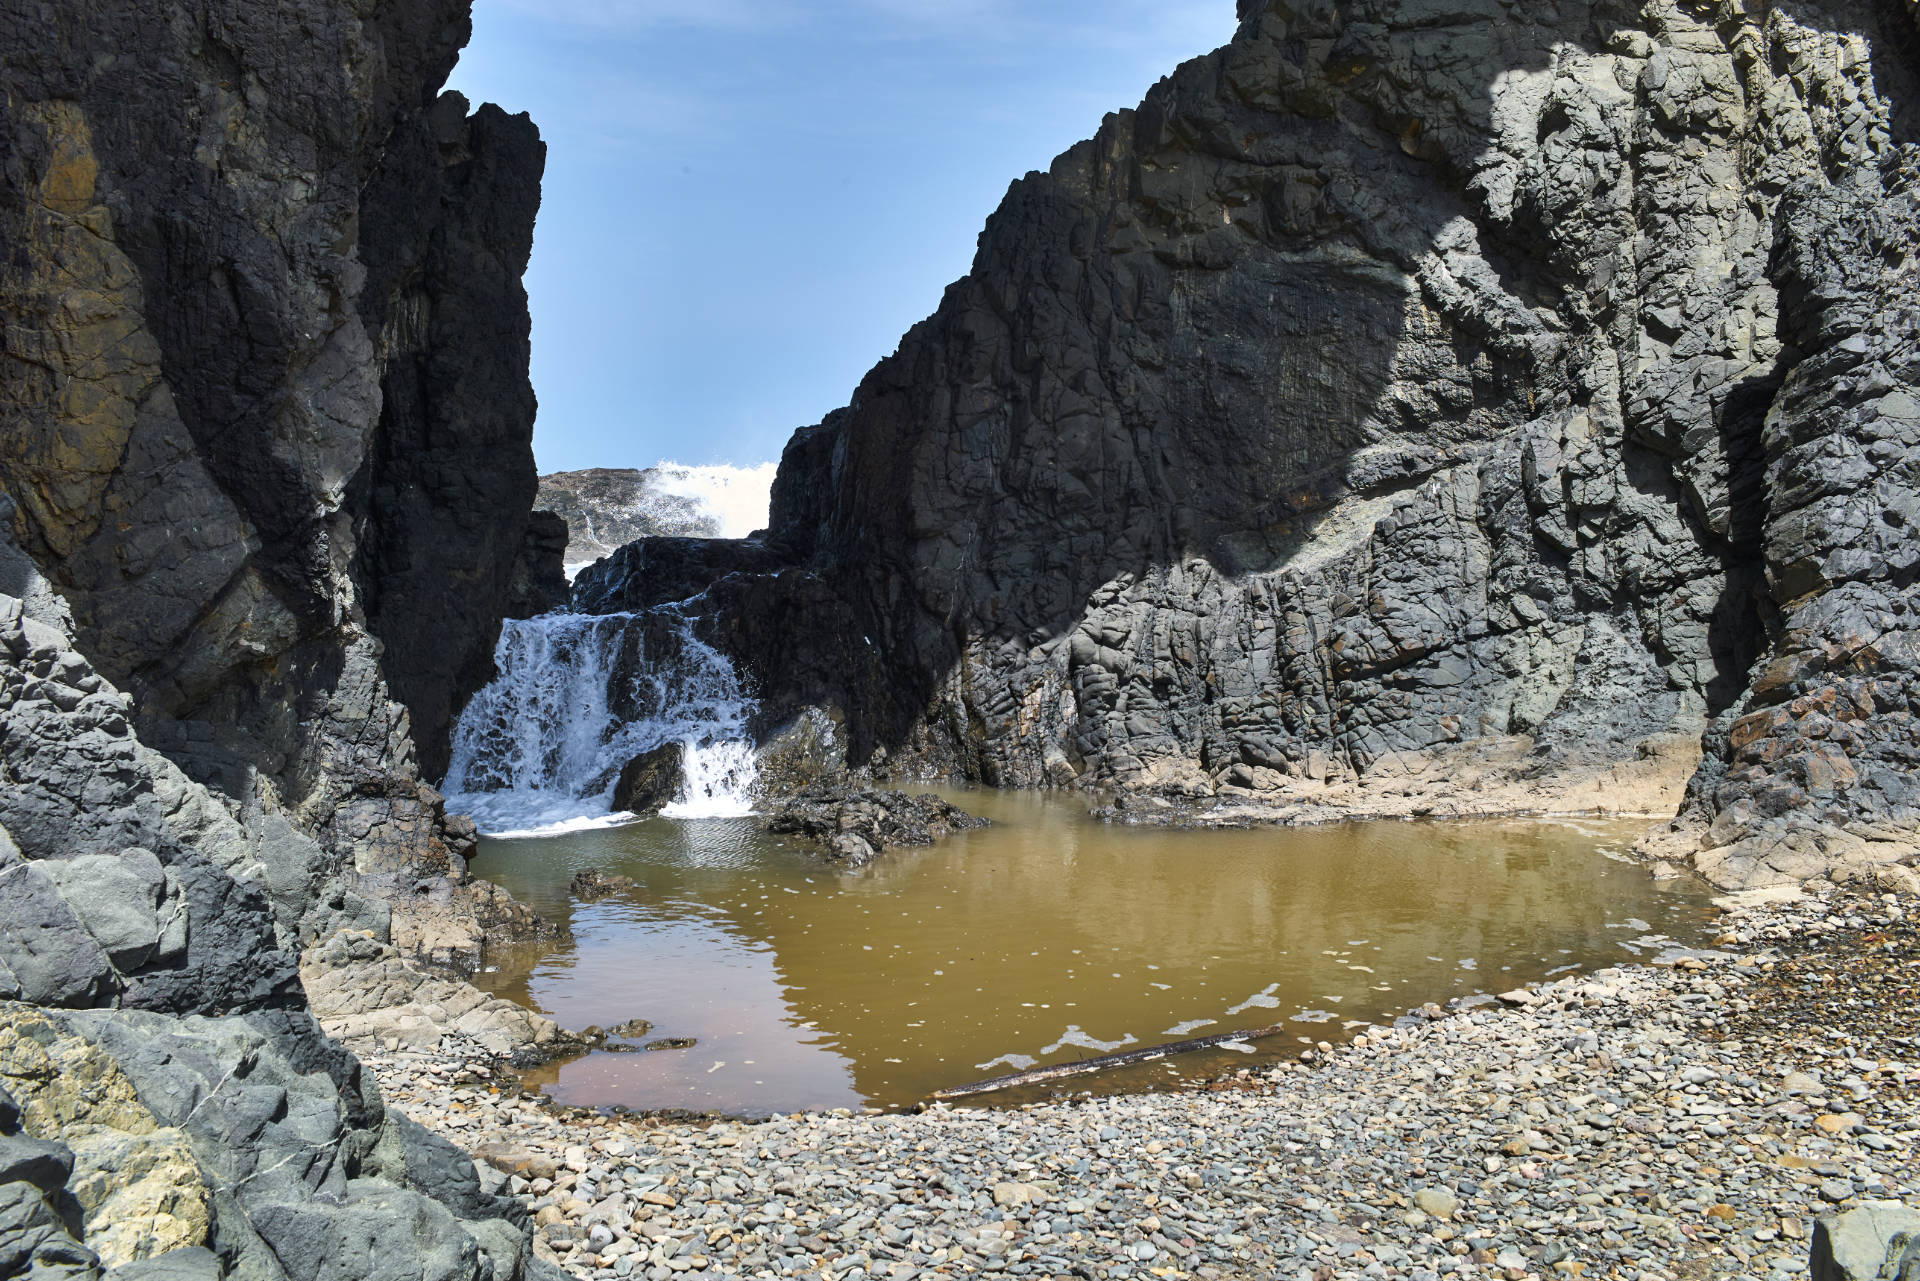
606 508
1533 382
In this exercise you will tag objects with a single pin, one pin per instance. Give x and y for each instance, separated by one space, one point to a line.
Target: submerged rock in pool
855 824
592 883
673 1043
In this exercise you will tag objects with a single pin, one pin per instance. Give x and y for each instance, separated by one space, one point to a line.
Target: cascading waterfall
580 695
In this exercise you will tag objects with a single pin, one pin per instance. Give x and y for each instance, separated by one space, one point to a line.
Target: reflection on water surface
1044 938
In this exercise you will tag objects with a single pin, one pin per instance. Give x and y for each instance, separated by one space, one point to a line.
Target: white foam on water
1190 1026
1074 1036
525 815
738 497
539 750
1264 998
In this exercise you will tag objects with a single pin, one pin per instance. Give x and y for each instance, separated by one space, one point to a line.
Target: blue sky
747 202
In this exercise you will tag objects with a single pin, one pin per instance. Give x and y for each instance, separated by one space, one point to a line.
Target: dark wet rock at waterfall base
853 825
650 780
592 884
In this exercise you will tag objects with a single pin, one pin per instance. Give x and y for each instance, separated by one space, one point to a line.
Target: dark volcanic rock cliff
265 397
263 407
446 231
1472 400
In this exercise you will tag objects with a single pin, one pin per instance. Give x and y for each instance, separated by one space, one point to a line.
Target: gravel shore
1684 1119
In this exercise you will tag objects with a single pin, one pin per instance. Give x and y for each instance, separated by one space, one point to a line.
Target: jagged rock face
264 384
606 508
446 233
1816 765
1399 378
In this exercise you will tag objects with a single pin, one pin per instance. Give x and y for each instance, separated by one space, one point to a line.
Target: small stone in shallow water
592 883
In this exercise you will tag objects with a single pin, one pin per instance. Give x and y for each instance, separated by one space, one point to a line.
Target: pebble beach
1687 1118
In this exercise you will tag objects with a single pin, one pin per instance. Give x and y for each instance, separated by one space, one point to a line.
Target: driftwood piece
1060 1071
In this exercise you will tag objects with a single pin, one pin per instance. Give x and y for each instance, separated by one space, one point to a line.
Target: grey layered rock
1879 1241
45 1165
126 885
195 1263
1813 769
310 1176
35 1241
1399 389
101 888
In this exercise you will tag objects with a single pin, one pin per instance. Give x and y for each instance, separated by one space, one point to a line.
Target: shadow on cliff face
225 268
1393 377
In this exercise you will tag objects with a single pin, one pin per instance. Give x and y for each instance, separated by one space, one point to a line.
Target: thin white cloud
636 16
1111 23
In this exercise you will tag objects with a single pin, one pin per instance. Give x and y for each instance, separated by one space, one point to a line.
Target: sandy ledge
1686 1120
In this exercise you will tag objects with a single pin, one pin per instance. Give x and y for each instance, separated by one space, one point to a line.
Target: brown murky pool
1045 938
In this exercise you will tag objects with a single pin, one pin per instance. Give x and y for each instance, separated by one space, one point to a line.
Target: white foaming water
717 781
539 750
737 497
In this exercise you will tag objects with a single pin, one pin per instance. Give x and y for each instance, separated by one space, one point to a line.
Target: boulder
1879 1241
853 825
365 991
591 884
